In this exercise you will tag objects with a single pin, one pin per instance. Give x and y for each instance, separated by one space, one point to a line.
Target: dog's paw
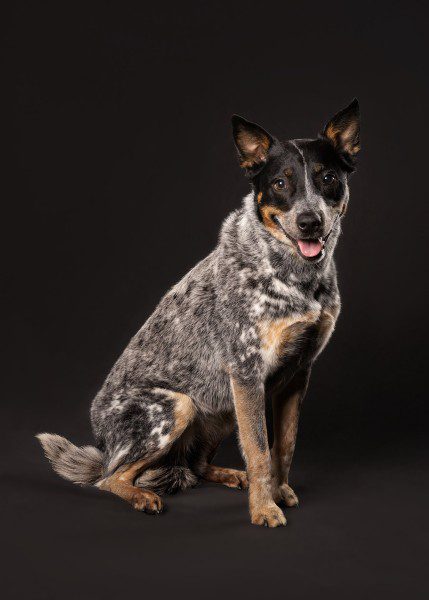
284 493
237 479
148 502
230 477
269 516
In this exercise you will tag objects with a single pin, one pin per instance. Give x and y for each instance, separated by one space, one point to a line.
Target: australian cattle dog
243 327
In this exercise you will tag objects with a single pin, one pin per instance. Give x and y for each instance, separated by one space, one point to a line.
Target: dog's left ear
343 130
252 143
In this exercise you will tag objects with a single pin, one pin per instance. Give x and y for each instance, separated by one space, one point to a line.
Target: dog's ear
343 130
252 143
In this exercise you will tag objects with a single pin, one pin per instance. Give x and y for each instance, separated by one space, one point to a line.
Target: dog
242 327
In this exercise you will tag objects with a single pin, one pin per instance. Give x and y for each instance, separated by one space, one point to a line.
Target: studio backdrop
120 170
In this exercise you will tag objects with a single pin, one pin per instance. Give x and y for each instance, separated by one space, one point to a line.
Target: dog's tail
81 465
168 479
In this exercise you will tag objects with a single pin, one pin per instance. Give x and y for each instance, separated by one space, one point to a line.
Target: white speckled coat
245 324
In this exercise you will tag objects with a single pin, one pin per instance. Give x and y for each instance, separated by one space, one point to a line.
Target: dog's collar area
306 248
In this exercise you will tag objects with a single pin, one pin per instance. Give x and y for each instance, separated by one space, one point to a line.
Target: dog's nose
308 222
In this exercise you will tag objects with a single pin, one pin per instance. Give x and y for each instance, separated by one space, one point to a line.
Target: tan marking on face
259 197
318 168
267 214
288 172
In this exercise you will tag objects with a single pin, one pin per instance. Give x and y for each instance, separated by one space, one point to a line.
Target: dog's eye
329 178
279 184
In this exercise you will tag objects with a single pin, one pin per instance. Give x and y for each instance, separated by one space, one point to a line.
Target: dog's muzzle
309 249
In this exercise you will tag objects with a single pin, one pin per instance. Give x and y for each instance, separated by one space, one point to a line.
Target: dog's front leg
249 403
286 407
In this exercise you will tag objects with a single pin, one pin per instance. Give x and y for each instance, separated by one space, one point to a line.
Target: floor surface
358 532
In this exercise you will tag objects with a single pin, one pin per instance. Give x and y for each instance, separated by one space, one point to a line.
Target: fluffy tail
81 465
168 479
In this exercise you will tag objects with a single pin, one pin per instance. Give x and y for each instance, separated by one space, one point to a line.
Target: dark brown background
121 168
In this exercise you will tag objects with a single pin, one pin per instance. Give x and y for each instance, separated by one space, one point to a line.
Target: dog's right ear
343 130
252 143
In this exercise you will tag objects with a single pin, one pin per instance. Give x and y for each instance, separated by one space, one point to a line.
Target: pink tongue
310 247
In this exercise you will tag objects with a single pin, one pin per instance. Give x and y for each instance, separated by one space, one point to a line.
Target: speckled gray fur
246 322
203 330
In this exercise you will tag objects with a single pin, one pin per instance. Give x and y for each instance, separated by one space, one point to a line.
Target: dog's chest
285 318
282 337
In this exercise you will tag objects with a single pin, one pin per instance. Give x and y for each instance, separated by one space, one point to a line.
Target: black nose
308 222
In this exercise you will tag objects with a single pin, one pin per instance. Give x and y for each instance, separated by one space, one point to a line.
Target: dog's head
301 186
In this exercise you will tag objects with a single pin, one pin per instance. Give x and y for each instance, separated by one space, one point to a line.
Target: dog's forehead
301 155
292 151
314 151
285 155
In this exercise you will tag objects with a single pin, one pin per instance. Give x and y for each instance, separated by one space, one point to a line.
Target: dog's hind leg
143 450
232 478
121 483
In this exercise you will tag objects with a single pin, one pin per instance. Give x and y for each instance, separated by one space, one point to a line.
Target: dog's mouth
312 249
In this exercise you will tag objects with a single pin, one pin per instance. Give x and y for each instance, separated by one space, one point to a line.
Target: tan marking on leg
285 423
230 477
250 409
184 412
284 493
121 484
286 402
286 408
